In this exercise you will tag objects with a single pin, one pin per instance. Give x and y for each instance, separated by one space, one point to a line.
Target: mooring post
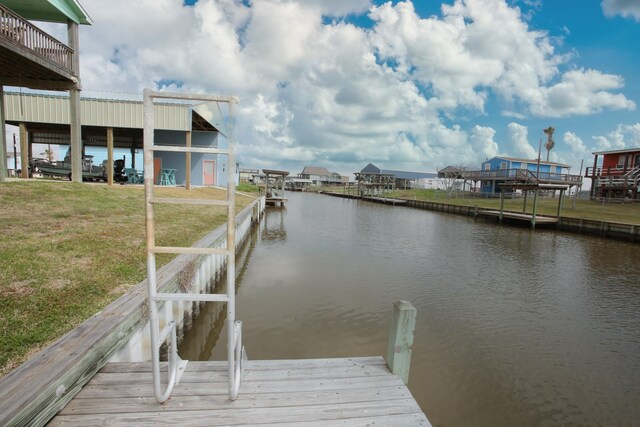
401 339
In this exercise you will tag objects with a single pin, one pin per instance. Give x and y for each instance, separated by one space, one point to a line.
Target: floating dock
309 392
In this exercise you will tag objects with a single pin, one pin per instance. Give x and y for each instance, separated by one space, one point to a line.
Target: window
487 166
621 161
504 165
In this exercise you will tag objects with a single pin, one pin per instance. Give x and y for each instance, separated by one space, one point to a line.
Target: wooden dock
310 392
519 217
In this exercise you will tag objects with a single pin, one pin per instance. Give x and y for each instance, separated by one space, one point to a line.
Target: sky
405 85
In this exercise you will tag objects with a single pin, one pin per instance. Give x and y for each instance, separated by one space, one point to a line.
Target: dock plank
313 392
252 416
245 401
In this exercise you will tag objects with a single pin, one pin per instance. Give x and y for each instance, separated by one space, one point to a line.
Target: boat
90 172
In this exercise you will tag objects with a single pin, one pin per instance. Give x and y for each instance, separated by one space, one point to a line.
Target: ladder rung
164 333
192 297
192 149
175 201
189 251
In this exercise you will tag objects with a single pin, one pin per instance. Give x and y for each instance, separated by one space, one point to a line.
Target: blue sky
405 85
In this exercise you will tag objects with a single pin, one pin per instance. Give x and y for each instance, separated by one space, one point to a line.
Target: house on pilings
32 58
617 175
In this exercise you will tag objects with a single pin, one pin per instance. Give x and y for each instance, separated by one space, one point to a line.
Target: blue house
500 169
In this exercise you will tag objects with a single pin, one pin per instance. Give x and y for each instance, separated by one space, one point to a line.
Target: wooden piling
401 339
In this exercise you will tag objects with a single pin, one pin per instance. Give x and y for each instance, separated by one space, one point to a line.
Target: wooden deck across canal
519 217
309 392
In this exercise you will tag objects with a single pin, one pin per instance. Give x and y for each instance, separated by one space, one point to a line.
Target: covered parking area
113 123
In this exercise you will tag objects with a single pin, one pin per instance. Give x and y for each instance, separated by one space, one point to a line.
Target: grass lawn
67 250
587 209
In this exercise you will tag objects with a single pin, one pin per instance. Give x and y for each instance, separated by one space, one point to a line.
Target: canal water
514 327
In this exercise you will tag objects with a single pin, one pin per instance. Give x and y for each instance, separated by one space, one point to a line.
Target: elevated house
388 179
112 124
320 176
616 175
32 58
501 171
314 175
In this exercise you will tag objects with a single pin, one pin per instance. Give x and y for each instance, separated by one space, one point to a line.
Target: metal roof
315 170
409 175
50 10
622 151
373 169
275 172
38 108
516 159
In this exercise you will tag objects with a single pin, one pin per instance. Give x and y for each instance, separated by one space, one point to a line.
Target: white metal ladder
235 350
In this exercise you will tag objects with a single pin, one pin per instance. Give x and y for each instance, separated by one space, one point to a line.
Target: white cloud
574 142
518 142
624 8
623 136
483 144
582 92
338 95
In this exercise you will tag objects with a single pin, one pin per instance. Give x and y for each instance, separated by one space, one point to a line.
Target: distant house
398 179
499 170
452 178
617 175
320 176
247 175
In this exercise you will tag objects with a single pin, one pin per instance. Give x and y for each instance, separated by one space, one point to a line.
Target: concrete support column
110 156
24 151
74 105
3 139
188 162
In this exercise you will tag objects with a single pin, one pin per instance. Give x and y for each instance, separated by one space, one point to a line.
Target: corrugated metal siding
94 112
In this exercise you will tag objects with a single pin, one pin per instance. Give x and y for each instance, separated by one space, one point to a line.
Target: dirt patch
57 283
21 288
120 289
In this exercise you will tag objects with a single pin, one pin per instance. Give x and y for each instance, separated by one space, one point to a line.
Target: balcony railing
608 171
522 175
21 32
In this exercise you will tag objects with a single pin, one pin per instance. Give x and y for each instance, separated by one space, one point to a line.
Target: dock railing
21 32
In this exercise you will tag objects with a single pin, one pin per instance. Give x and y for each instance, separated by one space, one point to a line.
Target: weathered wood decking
310 392
519 217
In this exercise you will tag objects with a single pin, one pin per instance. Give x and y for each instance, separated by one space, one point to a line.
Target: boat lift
235 351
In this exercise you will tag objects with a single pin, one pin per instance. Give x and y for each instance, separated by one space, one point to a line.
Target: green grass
67 250
588 209
245 187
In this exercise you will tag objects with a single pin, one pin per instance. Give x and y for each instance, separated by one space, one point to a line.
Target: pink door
209 172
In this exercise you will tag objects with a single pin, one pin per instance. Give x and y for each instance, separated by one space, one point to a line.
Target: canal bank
593 227
32 393
513 327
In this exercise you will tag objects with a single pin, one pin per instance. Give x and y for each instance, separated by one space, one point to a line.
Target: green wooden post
524 205
501 204
535 205
401 339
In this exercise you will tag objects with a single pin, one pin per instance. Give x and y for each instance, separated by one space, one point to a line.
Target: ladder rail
235 354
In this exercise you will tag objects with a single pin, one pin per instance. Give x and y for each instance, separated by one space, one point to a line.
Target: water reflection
514 327
273 224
